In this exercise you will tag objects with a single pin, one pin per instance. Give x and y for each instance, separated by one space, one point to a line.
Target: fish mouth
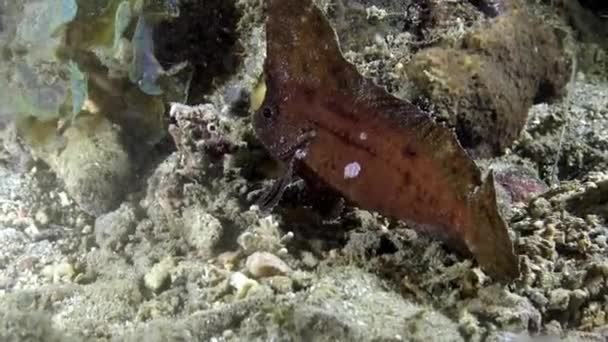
301 144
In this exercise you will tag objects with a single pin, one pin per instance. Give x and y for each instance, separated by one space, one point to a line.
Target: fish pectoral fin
271 197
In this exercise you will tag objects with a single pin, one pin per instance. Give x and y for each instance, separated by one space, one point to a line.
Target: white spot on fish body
301 153
352 170
363 136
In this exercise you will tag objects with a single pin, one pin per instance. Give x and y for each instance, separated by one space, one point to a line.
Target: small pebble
559 299
63 271
540 208
280 284
88 229
204 230
228 259
264 264
159 276
242 284
538 224
41 217
553 328
32 231
302 279
64 200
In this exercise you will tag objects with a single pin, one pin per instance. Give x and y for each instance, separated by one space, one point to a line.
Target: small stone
537 297
5 282
473 280
63 271
81 221
468 324
203 230
577 299
540 207
264 264
86 230
32 231
93 164
538 224
302 279
159 276
41 217
228 259
112 230
64 199
600 240
280 284
559 299
598 269
242 284
553 328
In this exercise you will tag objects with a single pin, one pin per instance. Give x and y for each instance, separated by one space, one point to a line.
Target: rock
62 271
21 325
576 136
159 276
302 279
263 264
229 259
280 284
553 328
242 284
508 311
95 167
577 299
485 86
540 208
113 229
89 158
364 311
559 299
203 231
519 183
42 217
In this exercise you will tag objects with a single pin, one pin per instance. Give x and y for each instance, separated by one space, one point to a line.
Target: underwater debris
384 154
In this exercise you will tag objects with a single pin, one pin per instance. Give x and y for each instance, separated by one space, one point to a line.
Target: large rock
88 157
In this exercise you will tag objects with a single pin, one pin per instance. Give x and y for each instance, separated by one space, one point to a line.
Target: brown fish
383 154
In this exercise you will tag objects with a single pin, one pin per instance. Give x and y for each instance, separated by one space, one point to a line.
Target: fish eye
267 112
